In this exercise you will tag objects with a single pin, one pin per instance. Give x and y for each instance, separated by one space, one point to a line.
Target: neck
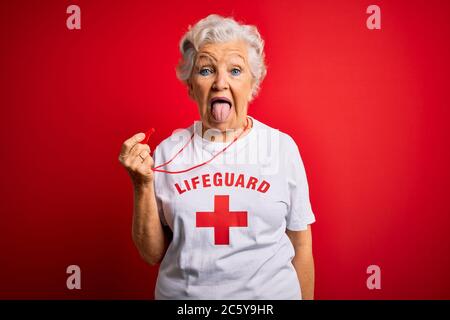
216 135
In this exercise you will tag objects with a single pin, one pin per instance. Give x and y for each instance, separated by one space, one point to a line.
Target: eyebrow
203 56
238 55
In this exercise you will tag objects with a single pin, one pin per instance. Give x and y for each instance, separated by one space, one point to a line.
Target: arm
149 236
303 260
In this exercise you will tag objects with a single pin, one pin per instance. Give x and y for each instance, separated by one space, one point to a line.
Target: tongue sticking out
221 111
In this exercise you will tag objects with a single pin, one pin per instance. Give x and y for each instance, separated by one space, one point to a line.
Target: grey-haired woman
223 205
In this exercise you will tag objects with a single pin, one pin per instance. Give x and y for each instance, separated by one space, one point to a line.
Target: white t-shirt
229 217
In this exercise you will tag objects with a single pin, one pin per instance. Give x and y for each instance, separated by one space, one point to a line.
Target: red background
369 110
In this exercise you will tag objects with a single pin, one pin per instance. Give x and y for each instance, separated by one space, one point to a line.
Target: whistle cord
156 169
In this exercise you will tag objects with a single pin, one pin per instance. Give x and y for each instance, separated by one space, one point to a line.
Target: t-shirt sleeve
161 211
157 186
300 213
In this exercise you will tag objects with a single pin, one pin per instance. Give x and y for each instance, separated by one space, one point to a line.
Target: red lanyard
151 131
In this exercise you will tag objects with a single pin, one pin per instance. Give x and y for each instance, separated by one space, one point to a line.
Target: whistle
148 134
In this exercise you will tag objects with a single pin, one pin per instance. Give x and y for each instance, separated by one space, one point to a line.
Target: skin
222 70
219 70
303 260
148 234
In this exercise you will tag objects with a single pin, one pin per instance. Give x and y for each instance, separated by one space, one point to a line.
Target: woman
226 211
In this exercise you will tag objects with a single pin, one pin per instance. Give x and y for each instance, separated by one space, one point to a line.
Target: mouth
220 108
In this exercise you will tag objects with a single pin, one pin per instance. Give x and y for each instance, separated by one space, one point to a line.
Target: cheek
200 91
244 90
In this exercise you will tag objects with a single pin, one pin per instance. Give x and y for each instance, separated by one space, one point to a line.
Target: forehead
236 50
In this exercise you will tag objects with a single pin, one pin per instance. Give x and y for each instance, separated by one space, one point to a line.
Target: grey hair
217 29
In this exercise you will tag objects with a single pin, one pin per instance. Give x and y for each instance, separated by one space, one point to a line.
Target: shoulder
284 141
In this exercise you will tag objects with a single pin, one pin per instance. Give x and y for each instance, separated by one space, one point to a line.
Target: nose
220 81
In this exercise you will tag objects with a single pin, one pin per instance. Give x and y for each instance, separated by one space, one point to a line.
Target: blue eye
235 72
205 72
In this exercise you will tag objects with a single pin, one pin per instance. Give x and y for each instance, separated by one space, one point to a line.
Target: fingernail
140 136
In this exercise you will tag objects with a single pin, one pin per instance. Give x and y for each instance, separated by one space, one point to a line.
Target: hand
136 159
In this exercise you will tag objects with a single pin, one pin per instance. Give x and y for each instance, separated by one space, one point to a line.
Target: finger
138 160
129 160
130 143
139 149
145 167
144 154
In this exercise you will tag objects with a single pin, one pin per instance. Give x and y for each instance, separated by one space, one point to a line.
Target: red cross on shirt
221 219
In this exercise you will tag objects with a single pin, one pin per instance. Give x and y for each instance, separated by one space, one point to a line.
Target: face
221 84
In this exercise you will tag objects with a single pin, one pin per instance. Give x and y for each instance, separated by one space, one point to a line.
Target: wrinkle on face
220 59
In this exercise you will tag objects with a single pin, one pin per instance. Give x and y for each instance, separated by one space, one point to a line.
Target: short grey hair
218 29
